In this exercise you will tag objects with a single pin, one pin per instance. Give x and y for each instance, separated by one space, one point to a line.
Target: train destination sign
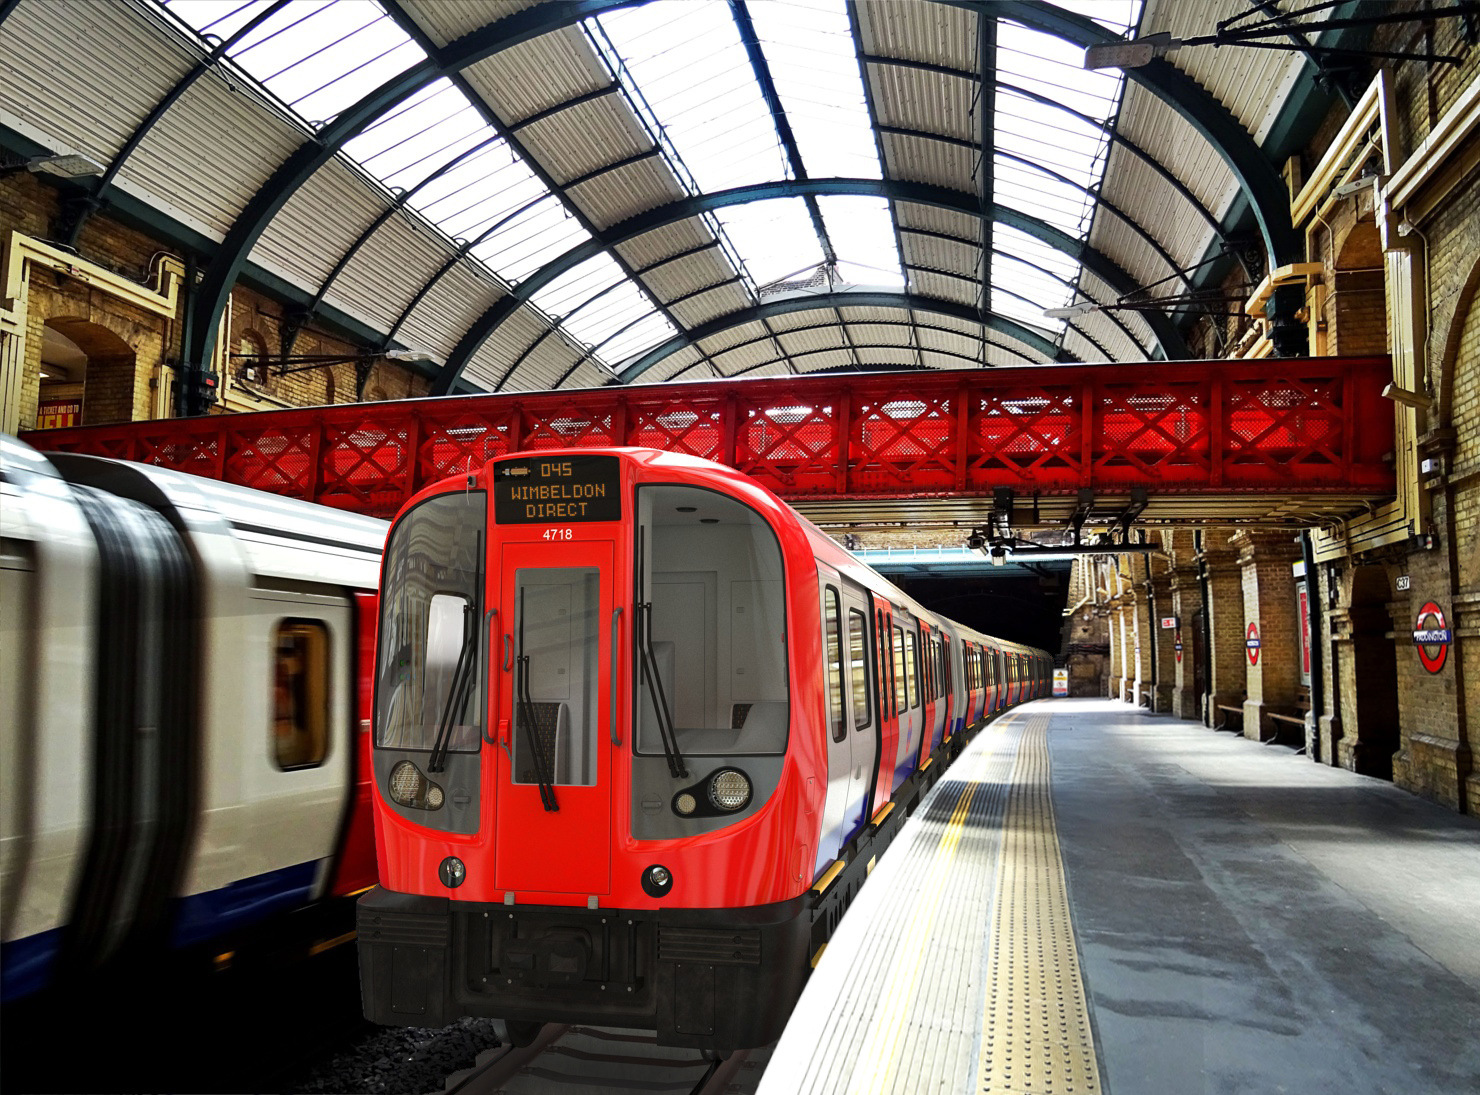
542 489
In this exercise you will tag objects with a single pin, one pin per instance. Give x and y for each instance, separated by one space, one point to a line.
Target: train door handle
508 653
493 696
612 687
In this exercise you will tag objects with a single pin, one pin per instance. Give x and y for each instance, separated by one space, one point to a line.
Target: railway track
565 1059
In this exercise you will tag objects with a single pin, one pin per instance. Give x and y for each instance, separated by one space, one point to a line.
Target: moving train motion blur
180 703
640 733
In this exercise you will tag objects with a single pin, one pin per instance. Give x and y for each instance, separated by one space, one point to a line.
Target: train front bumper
710 978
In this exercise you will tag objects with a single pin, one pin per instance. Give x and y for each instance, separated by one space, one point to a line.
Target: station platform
1097 899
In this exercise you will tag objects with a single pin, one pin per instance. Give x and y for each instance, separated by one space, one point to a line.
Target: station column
1186 602
1271 640
1225 615
1159 606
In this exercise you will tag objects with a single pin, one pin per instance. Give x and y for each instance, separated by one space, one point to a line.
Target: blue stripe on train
203 916
25 964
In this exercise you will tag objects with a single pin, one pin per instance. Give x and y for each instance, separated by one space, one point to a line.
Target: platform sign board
1302 610
1060 682
1169 623
1432 636
1251 644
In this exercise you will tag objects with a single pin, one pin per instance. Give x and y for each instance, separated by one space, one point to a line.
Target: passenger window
901 697
834 666
300 724
858 667
910 659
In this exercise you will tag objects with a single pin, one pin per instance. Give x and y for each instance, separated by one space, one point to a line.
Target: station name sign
543 489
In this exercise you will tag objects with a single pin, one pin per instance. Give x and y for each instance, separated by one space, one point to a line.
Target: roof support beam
762 312
741 14
231 257
986 144
921 193
1260 178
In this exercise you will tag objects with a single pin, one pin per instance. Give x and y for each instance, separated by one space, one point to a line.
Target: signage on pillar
1178 645
1060 682
1251 643
1432 637
1169 622
1302 597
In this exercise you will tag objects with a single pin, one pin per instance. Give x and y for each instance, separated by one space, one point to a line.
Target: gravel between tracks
399 1060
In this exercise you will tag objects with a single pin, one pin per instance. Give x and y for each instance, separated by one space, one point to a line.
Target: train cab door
553 779
863 734
888 713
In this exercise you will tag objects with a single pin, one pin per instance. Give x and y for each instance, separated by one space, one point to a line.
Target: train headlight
729 789
686 803
408 787
452 872
657 880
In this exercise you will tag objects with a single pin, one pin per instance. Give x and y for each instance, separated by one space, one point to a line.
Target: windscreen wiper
649 661
543 769
461 687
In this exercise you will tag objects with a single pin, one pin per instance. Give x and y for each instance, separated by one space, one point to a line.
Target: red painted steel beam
1312 425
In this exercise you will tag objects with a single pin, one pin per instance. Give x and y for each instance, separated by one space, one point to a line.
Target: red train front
589 801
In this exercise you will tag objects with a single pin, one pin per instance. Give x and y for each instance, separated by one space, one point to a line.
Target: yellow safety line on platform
1036 1035
881 1047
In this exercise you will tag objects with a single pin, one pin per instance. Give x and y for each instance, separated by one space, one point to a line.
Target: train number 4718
559 533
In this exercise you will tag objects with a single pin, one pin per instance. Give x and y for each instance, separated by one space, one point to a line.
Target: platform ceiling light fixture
1251 28
62 165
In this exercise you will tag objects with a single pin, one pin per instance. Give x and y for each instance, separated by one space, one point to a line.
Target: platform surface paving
1098 899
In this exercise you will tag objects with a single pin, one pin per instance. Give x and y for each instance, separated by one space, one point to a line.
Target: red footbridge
1269 441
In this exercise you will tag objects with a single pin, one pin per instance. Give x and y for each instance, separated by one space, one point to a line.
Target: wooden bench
1295 721
1233 716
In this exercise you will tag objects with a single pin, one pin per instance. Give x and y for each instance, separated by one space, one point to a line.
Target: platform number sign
1251 643
1432 637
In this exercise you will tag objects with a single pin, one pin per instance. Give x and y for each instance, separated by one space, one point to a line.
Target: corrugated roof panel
917 159
583 138
719 301
920 32
875 315
931 339
734 336
891 334
933 219
389 270
587 376
1081 347
951 323
928 101
777 368
689 274
1132 185
928 284
812 338
934 253
1099 326
825 359
332 208
211 153
1147 121
1098 290
533 76
689 357
615 195
1133 254
446 312
797 321
545 365
999 356
446 22
86 45
744 357
934 359
901 357
665 242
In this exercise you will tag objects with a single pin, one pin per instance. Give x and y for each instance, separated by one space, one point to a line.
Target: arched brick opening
108 387
1357 306
1367 675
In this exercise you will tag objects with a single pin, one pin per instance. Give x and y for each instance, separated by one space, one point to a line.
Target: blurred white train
184 683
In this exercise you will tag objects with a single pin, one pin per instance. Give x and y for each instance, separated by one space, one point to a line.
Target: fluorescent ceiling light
1083 308
66 167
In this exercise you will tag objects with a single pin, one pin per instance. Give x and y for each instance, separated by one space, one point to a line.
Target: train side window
858 667
911 671
300 708
834 624
901 695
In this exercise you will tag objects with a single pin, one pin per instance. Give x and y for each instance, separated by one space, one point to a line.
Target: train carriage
639 729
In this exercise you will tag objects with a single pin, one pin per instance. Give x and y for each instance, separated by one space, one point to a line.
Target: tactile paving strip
1036 1037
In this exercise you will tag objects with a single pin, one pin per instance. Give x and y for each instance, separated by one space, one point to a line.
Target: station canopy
536 195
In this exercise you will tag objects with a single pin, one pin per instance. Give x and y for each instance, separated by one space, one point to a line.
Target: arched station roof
532 195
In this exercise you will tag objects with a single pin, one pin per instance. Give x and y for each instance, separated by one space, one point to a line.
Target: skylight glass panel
529 239
687 62
810 53
1012 269
577 285
775 239
1117 15
862 233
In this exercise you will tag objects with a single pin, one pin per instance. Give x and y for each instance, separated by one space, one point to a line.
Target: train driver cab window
300 705
429 692
710 644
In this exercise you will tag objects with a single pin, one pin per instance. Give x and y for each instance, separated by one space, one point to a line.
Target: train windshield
711 632
429 692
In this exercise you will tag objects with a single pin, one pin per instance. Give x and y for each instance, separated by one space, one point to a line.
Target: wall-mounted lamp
1407 397
65 166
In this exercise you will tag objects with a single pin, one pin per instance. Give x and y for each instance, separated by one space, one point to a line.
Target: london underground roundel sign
1432 637
1251 643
